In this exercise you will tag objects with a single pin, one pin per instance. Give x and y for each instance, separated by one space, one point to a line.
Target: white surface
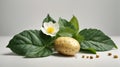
8 59
17 15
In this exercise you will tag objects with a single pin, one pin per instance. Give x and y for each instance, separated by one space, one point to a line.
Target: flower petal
56 30
50 34
56 27
46 25
50 24
45 32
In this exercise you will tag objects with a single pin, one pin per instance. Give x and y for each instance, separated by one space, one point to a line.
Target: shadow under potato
61 55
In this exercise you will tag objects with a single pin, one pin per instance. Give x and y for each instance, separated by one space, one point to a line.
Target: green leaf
39 52
64 23
89 50
66 28
48 19
78 37
75 23
30 41
66 32
96 39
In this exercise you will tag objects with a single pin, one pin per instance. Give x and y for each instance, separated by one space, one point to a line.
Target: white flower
50 28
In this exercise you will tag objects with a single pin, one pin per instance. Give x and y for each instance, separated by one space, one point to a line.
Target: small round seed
115 56
87 56
91 57
83 56
97 56
109 54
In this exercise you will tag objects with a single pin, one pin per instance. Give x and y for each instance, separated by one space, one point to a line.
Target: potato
67 46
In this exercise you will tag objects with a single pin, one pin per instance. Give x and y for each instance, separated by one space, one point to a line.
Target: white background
18 15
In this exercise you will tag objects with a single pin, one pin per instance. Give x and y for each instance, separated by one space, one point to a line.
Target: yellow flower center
50 30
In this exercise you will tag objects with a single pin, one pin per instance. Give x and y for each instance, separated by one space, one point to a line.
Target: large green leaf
78 37
39 52
64 23
75 23
66 28
97 40
28 41
88 50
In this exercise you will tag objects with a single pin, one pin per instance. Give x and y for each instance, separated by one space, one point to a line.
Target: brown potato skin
67 46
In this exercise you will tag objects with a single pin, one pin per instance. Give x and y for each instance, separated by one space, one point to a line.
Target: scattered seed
97 56
91 57
87 56
83 56
109 54
115 56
